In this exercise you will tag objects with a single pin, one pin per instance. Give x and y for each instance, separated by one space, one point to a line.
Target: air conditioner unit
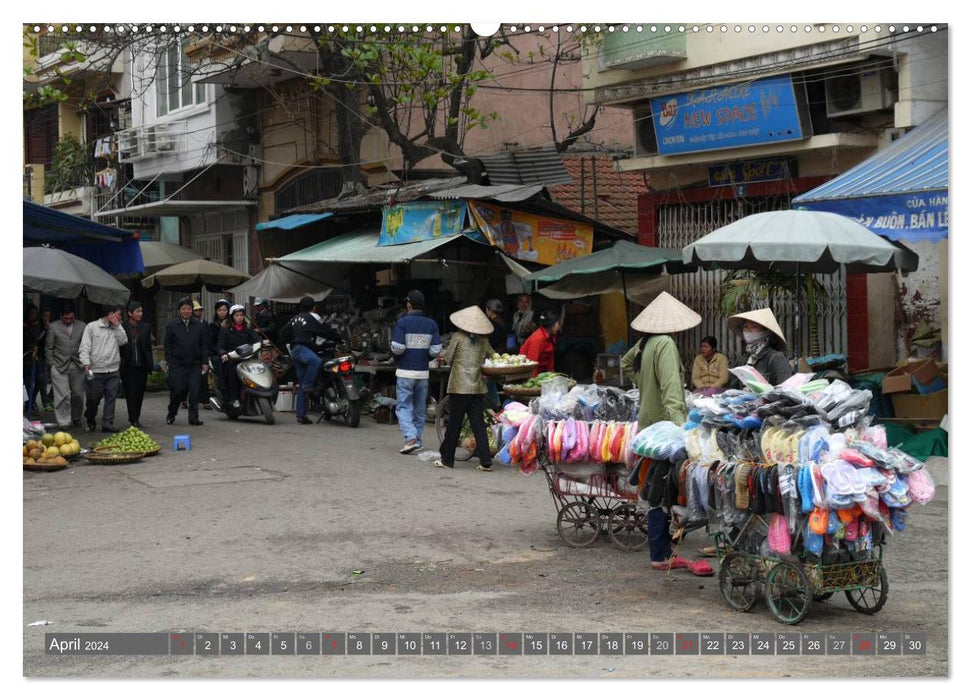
158 139
129 145
857 91
645 140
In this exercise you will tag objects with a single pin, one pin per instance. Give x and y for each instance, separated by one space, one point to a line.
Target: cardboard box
926 406
284 401
901 379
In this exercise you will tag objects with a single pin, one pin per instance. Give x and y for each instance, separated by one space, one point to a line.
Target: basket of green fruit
131 442
534 387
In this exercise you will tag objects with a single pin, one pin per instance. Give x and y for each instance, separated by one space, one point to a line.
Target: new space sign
744 114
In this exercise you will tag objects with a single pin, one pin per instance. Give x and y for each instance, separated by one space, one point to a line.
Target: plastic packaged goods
752 379
920 486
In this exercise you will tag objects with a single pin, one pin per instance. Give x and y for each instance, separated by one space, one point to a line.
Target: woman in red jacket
541 345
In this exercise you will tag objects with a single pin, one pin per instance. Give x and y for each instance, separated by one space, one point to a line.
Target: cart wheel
788 593
578 524
441 419
628 527
870 599
822 597
738 579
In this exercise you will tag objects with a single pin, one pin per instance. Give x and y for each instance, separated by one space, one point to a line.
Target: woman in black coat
235 331
215 328
136 361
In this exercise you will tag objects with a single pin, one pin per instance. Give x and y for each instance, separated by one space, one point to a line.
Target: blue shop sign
732 116
899 217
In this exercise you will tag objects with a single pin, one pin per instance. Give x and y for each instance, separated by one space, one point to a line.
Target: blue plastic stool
181 441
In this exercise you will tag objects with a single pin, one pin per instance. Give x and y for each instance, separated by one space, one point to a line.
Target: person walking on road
187 356
655 364
136 361
308 331
467 351
67 374
415 342
100 359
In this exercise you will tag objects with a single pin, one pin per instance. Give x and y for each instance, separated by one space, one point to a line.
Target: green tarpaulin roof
621 256
362 247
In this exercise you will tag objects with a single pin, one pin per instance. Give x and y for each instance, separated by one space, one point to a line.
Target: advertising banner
901 217
532 237
421 221
745 114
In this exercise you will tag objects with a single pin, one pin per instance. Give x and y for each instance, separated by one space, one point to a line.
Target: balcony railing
152 140
634 50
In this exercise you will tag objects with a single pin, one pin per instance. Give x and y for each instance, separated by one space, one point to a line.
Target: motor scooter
257 383
335 393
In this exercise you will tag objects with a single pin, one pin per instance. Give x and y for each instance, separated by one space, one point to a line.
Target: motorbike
335 393
258 386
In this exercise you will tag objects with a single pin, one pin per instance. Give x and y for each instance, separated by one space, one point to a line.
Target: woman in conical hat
765 343
466 353
655 364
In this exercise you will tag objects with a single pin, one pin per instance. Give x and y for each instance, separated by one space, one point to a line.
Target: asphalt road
264 529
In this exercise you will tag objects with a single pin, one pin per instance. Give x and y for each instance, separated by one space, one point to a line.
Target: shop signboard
421 221
745 172
532 237
730 116
899 217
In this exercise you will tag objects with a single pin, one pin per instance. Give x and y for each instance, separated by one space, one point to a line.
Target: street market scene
621 343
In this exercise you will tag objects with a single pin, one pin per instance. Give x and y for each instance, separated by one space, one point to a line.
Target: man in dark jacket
265 320
308 331
187 355
136 361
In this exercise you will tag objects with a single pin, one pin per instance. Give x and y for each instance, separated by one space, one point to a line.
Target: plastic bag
920 486
659 441
752 379
779 540
428 456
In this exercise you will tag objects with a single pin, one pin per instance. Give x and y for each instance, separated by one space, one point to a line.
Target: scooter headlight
256 368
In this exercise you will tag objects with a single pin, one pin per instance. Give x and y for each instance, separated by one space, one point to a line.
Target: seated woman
764 343
236 330
709 374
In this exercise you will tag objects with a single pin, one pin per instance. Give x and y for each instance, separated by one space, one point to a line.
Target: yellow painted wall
613 318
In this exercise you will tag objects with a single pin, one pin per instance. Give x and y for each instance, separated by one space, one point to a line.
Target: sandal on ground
710 551
698 568
441 465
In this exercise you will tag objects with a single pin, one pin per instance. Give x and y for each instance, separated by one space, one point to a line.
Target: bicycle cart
500 374
792 583
592 499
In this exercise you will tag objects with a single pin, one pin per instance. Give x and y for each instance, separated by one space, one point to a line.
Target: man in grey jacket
100 359
67 377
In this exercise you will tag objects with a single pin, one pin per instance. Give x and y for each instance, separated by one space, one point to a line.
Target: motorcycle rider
236 330
308 331
215 326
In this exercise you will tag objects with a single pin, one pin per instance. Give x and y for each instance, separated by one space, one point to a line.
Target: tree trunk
350 134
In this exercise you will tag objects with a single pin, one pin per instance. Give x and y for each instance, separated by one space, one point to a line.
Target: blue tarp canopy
288 223
113 250
900 193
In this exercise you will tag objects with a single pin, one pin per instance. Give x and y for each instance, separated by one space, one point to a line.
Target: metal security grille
685 222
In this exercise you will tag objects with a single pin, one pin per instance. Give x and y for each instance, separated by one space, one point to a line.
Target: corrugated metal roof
915 163
530 166
404 193
500 193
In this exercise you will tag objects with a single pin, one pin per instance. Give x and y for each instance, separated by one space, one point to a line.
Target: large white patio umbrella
799 242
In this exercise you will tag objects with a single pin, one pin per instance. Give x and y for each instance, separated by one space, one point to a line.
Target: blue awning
288 223
900 192
114 250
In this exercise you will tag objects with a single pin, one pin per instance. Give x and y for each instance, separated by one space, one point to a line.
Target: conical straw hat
471 319
763 317
665 315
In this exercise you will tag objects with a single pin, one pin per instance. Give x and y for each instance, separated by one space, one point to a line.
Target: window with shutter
40 133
